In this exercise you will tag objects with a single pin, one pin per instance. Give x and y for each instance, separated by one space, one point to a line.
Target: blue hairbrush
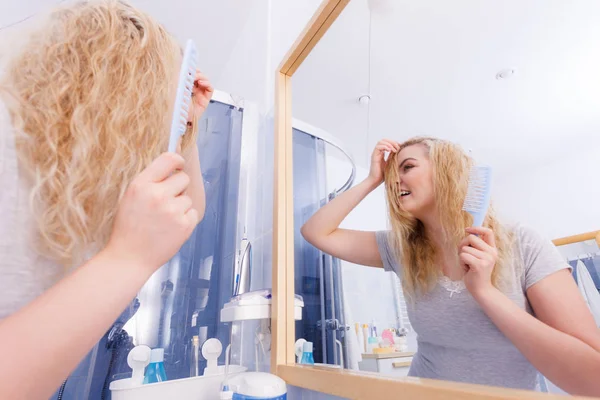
183 100
478 196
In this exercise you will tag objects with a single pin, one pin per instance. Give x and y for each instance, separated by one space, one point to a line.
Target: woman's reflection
490 305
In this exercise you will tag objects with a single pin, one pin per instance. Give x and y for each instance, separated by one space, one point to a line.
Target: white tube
365 337
360 337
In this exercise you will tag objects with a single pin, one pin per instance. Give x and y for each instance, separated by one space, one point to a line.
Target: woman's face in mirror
415 181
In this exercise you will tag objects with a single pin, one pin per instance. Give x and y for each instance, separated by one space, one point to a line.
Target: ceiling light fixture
364 99
506 73
381 6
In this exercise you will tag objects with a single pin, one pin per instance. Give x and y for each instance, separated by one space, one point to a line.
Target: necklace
451 286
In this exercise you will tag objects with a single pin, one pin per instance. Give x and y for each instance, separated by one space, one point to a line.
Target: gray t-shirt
24 274
456 339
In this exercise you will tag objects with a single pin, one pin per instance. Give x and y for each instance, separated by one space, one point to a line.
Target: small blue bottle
155 372
307 354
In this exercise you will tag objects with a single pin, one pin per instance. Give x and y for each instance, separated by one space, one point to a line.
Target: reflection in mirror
502 98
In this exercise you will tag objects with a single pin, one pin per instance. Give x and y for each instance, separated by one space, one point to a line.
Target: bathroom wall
558 197
269 32
245 73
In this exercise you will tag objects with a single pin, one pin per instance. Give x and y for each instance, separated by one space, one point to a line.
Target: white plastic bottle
372 343
360 337
365 337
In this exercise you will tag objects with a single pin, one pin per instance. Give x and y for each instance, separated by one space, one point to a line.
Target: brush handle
478 220
173 140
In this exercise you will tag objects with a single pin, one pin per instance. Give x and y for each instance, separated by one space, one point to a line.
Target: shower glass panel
317 275
183 298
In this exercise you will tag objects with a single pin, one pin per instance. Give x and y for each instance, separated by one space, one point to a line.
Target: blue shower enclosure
317 275
183 299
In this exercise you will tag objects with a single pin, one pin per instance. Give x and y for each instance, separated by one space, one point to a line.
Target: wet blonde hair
450 172
91 97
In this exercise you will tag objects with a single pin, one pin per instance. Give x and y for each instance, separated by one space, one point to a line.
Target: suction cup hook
138 359
298 348
211 350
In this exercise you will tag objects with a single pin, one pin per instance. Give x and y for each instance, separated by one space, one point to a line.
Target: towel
588 290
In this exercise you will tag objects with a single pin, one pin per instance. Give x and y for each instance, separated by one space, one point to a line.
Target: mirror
513 86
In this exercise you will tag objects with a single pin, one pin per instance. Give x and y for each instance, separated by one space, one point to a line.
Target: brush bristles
479 181
185 92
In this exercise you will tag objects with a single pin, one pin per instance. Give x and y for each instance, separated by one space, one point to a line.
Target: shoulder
520 230
529 239
385 242
529 243
525 235
383 236
526 243
387 250
539 255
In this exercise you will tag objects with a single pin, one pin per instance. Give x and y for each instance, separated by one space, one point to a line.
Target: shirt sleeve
540 257
390 261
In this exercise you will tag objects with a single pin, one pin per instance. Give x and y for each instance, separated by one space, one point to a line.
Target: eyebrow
405 160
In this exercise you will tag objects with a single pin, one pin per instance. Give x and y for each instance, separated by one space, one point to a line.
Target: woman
520 309
85 106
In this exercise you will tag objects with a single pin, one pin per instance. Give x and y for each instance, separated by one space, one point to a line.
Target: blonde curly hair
91 97
450 166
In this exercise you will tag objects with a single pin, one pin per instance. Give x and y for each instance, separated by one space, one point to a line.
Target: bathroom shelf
255 305
251 312
388 355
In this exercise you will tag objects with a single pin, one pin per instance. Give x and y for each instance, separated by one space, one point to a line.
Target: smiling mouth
404 193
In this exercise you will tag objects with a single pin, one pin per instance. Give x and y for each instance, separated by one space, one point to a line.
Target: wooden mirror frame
595 235
343 383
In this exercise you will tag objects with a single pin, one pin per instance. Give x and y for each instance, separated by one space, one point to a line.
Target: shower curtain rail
327 138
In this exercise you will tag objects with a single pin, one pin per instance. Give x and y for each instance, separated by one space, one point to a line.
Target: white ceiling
215 26
433 68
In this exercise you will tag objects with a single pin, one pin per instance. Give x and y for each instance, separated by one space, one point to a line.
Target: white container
366 337
258 385
361 339
196 388
400 344
255 305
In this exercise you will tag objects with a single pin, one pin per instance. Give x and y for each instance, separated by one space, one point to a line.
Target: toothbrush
478 196
225 392
183 100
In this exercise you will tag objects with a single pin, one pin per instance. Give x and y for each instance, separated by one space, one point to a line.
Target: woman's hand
478 256
155 216
202 93
378 161
153 220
